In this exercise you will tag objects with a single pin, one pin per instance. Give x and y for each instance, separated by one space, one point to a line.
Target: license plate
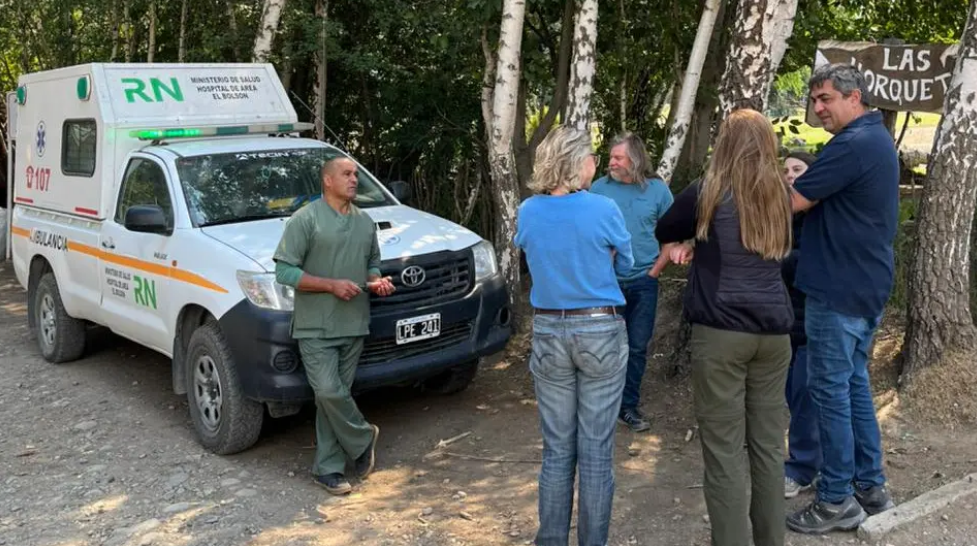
414 329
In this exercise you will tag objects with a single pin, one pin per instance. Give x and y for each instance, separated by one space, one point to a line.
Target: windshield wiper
251 218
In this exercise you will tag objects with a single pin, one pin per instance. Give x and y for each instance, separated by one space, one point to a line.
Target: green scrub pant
341 430
738 384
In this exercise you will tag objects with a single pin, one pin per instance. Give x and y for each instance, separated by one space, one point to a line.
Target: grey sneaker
634 420
793 488
335 484
874 500
820 517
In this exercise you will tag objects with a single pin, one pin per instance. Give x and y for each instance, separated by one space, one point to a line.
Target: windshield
243 186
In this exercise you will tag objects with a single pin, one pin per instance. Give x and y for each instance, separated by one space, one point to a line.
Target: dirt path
101 452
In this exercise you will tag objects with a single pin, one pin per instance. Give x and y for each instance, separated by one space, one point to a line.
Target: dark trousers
803 438
738 384
641 296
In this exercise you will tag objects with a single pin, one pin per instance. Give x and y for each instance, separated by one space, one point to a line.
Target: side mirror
146 219
401 191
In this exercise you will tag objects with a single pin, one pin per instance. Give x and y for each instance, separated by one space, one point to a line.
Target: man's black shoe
334 483
821 517
364 463
634 420
874 500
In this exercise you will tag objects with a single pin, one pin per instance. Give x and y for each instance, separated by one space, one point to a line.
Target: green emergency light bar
194 132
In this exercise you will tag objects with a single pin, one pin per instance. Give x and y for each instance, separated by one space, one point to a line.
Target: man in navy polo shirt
846 272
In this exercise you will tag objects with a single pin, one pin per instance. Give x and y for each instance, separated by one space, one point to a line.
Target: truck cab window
144 184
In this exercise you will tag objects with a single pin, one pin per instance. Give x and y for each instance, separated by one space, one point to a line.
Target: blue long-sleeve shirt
568 242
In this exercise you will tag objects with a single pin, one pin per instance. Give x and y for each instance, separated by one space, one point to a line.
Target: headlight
485 264
263 291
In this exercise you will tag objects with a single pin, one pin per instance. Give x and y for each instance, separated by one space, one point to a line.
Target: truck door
134 264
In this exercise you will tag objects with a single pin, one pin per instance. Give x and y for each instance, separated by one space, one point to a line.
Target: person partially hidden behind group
803 444
739 219
575 241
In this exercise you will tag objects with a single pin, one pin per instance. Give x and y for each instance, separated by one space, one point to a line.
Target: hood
402 231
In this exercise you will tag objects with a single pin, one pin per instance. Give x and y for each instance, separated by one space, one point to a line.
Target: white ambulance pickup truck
149 199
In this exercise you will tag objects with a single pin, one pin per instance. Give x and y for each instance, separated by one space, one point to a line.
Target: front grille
447 276
386 349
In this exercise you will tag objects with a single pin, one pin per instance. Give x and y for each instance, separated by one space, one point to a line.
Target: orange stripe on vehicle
14 230
149 267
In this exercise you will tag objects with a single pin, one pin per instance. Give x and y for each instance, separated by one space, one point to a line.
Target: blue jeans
851 443
641 296
804 445
578 364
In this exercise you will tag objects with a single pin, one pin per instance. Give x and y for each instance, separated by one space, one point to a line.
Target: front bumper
473 326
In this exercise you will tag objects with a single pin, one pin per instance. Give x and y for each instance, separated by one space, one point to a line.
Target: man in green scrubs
328 251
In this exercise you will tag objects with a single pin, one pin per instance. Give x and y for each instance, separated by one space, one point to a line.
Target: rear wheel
225 420
454 380
60 337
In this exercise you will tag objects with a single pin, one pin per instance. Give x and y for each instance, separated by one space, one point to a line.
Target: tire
60 337
225 420
454 380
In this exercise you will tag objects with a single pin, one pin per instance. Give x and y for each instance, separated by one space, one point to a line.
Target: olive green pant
738 384
340 429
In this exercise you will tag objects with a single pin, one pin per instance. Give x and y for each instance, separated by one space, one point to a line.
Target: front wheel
226 421
60 336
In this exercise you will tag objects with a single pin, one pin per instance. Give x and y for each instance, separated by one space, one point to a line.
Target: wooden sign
904 78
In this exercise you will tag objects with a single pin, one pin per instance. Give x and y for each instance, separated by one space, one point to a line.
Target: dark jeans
851 443
578 368
804 446
641 296
738 391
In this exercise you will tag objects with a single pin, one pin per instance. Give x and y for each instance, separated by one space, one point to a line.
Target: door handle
108 244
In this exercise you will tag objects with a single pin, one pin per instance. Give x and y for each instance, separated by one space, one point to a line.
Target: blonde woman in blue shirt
576 243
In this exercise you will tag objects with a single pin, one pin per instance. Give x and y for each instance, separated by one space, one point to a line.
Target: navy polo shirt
847 260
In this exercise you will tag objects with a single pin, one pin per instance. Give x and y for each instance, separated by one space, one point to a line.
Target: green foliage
405 76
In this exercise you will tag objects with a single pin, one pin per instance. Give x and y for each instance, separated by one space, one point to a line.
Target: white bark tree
322 12
270 17
181 55
152 32
759 42
584 66
690 87
499 110
940 322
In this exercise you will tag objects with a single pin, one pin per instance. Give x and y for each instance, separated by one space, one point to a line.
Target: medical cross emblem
41 139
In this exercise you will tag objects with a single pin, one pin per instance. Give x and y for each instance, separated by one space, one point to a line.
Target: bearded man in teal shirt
643 198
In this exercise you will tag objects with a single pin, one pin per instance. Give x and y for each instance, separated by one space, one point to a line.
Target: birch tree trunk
939 295
152 32
130 34
501 126
117 31
690 87
232 24
266 31
584 65
321 11
181 55
760 34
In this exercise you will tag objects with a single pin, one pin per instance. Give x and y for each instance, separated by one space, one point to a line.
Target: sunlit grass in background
919 135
